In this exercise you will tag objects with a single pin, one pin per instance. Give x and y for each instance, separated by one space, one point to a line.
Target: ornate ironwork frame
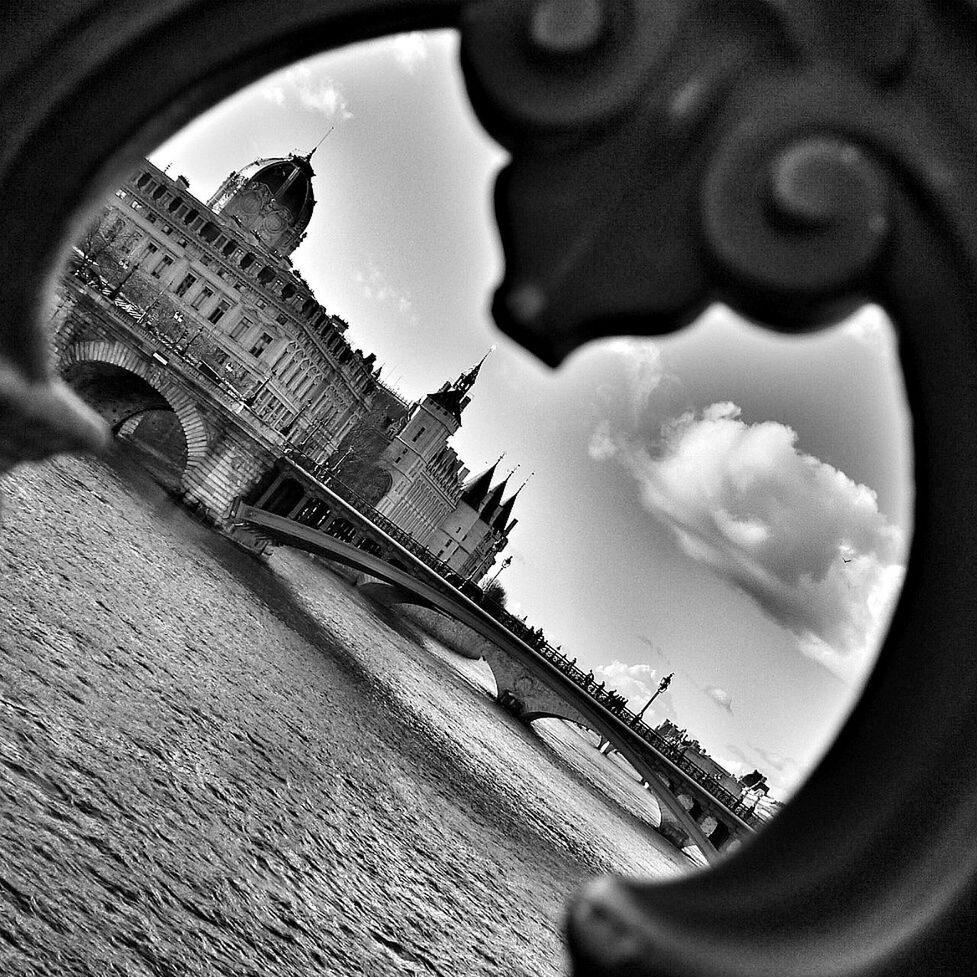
791 158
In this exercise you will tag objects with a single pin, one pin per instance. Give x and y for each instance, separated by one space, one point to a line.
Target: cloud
409 50
645 371
274 93
871 327
633 681
637 683
602 445
720 697
308 89
805 542
656 648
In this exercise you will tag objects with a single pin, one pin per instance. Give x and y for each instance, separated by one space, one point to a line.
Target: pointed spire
500 521
311 153
466 381
492 503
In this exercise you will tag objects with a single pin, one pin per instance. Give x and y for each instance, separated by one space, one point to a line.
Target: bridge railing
533 637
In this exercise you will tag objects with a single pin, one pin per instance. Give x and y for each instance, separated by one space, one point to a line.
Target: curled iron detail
690 176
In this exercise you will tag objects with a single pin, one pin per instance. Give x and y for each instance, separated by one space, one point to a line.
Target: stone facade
208 289
221 274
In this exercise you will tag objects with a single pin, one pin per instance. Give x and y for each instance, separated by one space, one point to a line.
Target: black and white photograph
487 488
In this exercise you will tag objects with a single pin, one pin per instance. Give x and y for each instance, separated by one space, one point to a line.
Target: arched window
210 231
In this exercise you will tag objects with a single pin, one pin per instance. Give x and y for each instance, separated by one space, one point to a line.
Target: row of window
335 343
206 293
306 305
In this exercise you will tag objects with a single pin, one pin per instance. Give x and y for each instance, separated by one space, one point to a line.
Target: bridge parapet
528 683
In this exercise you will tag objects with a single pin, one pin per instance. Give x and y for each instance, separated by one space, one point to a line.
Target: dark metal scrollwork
793 158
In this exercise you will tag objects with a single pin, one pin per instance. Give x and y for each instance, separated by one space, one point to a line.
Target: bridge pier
730 845
298 507
122 372
511 703
231 466
604 746
672 831
721 836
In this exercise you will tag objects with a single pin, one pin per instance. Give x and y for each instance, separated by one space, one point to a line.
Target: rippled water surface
209 766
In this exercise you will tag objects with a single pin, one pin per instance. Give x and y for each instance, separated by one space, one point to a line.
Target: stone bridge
297 510
125 372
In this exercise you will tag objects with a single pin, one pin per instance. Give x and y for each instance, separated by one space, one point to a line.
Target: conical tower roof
466 381
493 502
477 488
453 397
505 512
501 520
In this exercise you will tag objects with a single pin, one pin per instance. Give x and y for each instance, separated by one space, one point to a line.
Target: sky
727 504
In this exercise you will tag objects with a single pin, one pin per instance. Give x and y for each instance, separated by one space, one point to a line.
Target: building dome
271 197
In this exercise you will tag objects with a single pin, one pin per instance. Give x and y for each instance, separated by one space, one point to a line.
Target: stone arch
670 803
169 395
532 699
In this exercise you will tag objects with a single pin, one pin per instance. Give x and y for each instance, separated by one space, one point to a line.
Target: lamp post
334 466
190 339
506 562
664 684
113 293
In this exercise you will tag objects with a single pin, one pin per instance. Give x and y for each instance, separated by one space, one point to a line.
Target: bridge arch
119 366
531 693
669 801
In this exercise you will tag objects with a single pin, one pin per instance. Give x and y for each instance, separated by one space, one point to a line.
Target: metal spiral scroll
791 158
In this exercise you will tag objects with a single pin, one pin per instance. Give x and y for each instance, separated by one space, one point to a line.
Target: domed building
218 288
214 287
272 198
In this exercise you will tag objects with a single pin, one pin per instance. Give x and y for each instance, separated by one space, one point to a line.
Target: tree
495 593
99 246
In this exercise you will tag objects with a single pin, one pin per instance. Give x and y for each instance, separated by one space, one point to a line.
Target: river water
212 766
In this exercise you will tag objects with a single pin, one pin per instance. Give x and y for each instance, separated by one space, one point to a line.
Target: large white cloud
799 537
634 681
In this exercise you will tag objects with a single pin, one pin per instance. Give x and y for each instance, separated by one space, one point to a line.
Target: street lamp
113 293
664 684
506 562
